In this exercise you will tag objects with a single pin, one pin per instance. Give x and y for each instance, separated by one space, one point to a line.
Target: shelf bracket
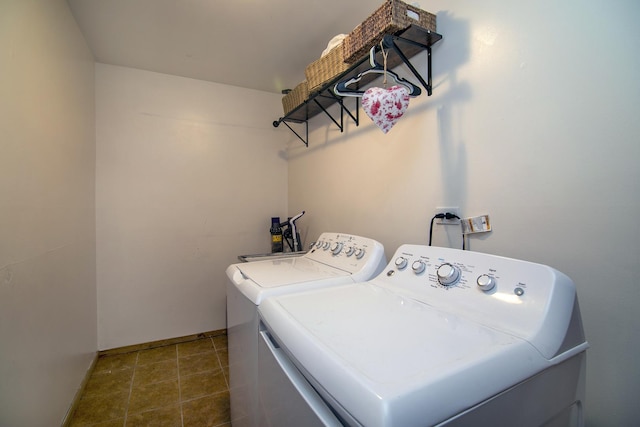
356 118
341 124
343 109
389 41
304 140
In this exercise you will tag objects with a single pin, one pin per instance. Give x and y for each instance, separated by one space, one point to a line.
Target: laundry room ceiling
257 44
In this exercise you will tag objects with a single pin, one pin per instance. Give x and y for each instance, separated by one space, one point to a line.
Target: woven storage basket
296 97
325 68
391 17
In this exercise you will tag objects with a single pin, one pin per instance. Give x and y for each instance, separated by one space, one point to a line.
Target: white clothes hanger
342 89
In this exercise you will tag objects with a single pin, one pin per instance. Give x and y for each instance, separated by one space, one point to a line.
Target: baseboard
161 343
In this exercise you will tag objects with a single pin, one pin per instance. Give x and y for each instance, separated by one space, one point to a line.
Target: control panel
443 269
508 294
348 252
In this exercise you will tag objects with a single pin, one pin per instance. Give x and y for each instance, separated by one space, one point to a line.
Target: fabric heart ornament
385 106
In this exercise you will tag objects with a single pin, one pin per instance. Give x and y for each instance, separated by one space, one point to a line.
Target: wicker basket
325 68
296 97
391 17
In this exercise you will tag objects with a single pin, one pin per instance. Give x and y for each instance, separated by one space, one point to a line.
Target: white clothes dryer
441 337
334 259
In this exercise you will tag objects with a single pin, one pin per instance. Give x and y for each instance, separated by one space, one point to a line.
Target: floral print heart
385 106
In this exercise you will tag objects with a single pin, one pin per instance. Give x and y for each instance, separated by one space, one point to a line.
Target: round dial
418 266
448 274
350 250
401 262
326 245
360 253
336 248
318 243
486 282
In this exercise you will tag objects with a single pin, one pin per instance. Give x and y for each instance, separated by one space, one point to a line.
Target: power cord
445 215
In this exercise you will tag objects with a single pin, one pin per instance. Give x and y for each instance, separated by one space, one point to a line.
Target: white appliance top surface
367 326
286 271
398 348
375 352
336 258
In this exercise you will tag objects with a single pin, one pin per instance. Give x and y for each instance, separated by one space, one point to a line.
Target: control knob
486 282
448 274
360 253
319 244
326 245
418 266
350 250
336 248
401 262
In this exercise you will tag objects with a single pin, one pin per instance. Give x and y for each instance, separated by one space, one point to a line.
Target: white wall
188 175
533 121
47 217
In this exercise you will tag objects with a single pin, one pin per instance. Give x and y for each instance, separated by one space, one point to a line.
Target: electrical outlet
453 210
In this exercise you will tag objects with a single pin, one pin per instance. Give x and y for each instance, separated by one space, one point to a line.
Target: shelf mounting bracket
389 41
343 109
304 140
339 125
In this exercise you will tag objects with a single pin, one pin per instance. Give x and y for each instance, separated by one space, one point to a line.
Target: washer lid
260 279
389 360
283 272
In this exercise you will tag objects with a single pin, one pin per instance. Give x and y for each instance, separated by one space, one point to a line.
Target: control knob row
417 266
448 274
321 244
337 247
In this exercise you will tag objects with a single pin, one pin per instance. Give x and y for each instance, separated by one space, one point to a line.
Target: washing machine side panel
242 326
574 337
285 396
551 398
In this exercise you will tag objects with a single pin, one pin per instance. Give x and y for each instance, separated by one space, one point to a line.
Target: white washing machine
441 337
334 259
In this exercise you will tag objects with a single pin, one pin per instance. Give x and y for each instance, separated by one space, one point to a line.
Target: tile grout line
221 369
136 365
179 386
133 375
224 375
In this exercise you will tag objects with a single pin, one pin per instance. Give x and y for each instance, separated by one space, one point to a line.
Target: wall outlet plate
454 210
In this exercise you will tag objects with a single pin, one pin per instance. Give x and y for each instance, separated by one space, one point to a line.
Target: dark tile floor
179 385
